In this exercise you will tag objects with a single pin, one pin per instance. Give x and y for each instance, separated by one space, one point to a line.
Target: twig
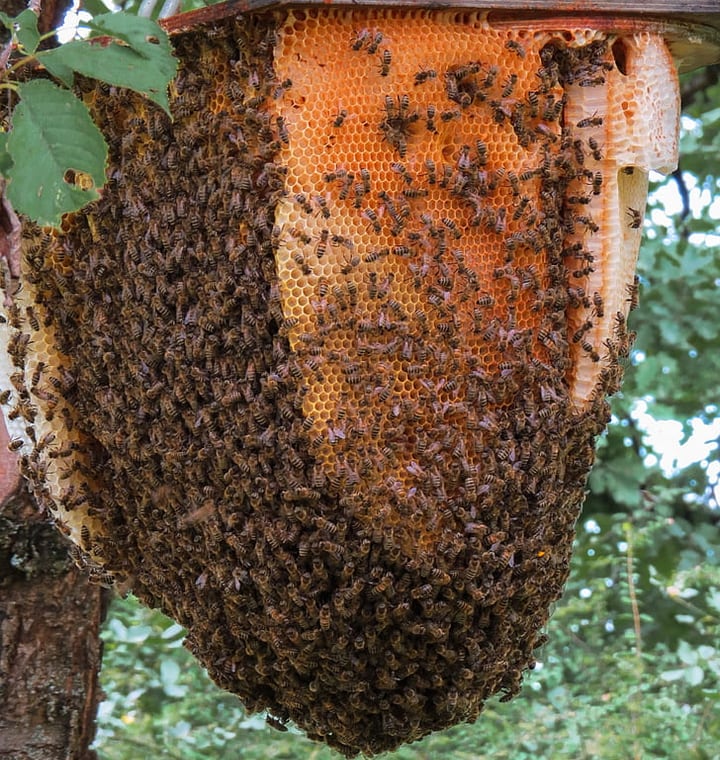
633 594
6 53
677 175
10 237
635 695
35 6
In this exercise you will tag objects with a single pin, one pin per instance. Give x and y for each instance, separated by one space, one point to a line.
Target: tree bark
50 650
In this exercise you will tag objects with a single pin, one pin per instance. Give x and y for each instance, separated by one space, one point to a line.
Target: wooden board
691 27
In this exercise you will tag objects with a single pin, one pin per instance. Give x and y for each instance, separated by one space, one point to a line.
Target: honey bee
373 46
598 305
349 264
385 61
509 85
337 174
299 259
591 121
635 218
633 291
533 99
361 38
321 202
359 193
339 240
580 332
321 246
375 255
597 183
15 444
372 217
32 319
575 200
424 75
422 592
298 234
397 121
401 169
491 76
303 202
323 287
365 177
589 349
325 617
595 149
588 222
592 81
450 115
275 723
283 130
516 47
452 226
340 118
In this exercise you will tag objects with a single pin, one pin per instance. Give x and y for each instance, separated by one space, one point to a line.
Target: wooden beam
691 27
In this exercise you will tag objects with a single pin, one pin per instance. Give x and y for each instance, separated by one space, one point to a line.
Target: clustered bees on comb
321 373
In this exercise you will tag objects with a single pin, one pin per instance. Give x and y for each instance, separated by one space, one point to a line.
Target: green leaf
52 135
5 161
173 631
672 675
26 31
140 59
7 21
713 599
687 653
169 672
136 634
95 7
694 675
138 32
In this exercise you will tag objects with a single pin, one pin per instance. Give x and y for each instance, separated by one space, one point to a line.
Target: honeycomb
321 373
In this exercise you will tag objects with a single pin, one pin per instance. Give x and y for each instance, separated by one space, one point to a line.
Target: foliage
52 155
592 695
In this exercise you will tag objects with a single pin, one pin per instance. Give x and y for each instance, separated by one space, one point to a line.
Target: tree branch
684 192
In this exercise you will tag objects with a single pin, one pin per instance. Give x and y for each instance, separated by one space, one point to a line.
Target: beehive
321 373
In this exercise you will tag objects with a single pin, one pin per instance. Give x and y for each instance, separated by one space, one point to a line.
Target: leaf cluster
52 155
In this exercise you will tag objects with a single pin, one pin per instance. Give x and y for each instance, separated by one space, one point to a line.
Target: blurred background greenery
632 665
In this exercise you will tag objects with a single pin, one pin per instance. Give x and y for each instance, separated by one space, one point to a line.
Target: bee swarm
321 373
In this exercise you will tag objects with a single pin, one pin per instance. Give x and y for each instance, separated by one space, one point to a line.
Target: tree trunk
50 650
